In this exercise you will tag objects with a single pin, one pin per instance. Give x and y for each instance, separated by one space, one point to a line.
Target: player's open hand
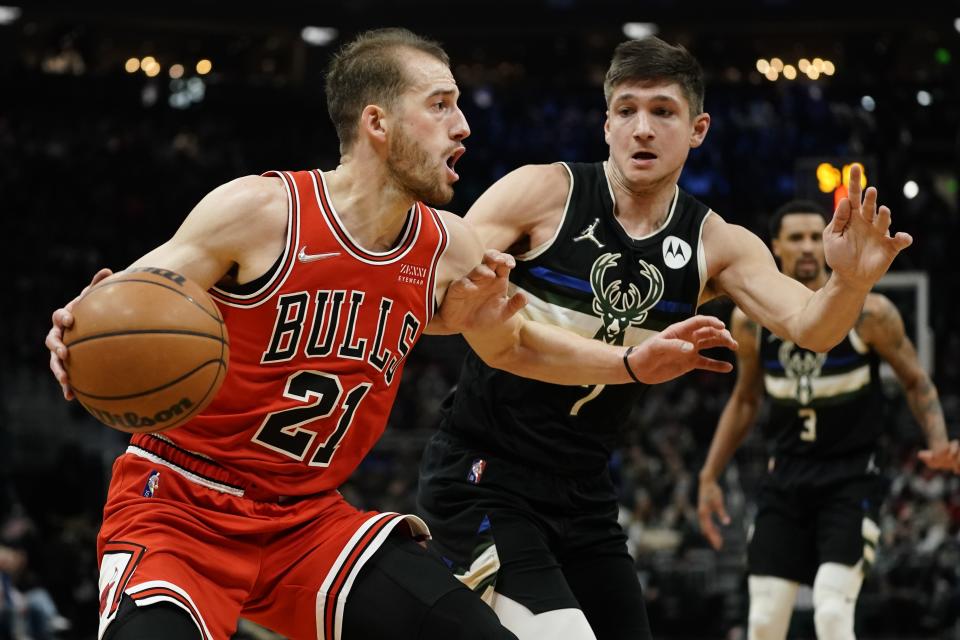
676 350
857 242
710 502
942 457
62 320
479 300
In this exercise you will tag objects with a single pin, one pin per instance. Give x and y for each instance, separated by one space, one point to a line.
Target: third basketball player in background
515 484
818 506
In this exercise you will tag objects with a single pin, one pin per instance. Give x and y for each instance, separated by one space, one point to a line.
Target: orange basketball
148 350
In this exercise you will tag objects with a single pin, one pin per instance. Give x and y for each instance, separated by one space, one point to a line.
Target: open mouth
644 155
452 160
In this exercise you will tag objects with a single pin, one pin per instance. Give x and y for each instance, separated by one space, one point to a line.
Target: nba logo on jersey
476 470
153 481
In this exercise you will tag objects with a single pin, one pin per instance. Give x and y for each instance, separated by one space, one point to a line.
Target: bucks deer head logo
801 365
620 307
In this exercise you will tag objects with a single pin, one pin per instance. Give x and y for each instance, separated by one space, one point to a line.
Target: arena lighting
789 72
924 98
204 66
776 64
132 65
803 64
639 30
319 36
771 74
910 189
956 24
9 14
868 103
828 68
176 71
763 66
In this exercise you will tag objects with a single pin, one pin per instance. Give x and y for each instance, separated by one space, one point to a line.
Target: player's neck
641 211
368 204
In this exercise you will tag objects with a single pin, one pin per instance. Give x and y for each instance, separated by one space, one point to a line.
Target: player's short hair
794 206
367 70
652 59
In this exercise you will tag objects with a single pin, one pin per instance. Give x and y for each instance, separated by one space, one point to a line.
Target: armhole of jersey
702 254
443 243
538 251
857 342
283 266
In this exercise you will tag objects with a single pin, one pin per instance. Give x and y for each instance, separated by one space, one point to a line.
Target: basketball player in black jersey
818 506
515 484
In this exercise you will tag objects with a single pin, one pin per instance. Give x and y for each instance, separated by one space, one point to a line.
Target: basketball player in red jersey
325 281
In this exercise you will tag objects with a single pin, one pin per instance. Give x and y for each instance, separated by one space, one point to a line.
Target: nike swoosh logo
303 256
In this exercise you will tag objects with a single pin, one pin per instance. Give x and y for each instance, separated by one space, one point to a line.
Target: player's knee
461 615
771 604
833 618
835 592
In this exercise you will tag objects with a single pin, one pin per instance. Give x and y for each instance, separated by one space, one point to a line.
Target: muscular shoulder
249 198
521 208
879 322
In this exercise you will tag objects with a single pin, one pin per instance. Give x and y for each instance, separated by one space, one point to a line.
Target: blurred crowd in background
99 164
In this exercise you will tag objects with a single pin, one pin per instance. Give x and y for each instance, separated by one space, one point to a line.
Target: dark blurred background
116 119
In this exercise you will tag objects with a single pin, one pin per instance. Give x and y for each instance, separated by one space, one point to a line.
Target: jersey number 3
291 431
809 418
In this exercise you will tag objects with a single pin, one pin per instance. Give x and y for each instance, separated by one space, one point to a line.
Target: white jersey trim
286 260
702 255
413 226
192 477
821 386
161 584
443 245
857 342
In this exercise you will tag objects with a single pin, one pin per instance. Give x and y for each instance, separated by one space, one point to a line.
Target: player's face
650 131
428 140
800 246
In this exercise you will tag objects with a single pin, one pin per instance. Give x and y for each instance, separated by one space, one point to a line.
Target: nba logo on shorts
476 470
152 483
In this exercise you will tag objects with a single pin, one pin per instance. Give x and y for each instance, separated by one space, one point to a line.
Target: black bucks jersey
597 281
823 405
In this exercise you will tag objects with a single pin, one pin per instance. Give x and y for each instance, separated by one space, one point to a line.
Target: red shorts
173 533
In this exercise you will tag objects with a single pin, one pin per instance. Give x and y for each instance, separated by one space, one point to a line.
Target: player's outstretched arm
858 246
238 223
881 327
735 423
486 315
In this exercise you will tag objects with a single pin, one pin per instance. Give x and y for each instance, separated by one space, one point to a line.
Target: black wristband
626 363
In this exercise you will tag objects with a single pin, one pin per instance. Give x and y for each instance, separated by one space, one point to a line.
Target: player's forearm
828 315
735 423
549 354
924 402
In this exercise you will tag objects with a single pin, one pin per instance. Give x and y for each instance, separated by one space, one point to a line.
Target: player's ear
374 123
606 128
701 124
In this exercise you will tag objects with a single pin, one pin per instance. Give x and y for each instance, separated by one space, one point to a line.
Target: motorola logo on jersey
676 252
620 307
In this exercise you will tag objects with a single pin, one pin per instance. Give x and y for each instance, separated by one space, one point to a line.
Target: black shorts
798 529
557 541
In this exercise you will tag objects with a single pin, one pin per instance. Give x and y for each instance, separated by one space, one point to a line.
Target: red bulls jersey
317 351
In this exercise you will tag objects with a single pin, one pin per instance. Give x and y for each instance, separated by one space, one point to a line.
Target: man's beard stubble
409 164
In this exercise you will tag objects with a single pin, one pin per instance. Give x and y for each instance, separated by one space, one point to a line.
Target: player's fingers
709 364
882 221
516 302
901 240
718 341
54 343
854 188
481 272
687 328
62 318
841 217
869 207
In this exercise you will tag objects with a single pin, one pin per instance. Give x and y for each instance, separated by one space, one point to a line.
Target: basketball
148 350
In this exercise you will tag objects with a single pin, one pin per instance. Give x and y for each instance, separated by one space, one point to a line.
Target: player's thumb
516 302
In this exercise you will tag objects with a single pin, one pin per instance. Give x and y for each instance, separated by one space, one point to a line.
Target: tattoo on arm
925 405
